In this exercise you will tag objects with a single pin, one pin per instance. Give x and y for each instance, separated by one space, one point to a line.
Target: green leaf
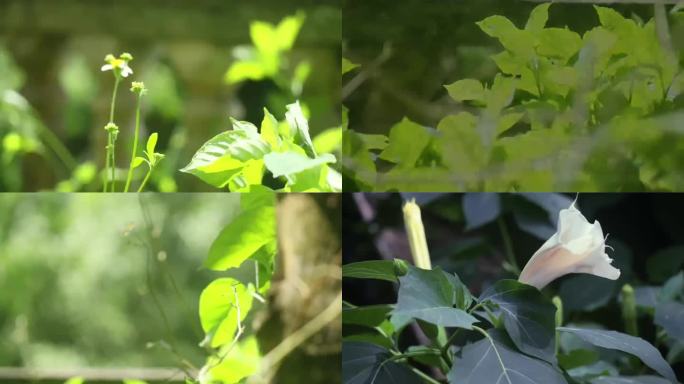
559 43
480 209
518 42
407 141
300 125
372 269
288 163
251 230
490 361
466 90
670 316
461 145
433 296
137 162
364 363
629 380
264 37
288 29
245 70
347 65
577 358
328 141
241 362
529 318
151 144
370 316
224 155
269 130
625 343
218 309
538 18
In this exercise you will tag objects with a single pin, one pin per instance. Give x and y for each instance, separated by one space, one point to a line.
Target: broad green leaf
242 361
370 316
673 289
374 141
288 29
466 90
223 156
670 316
407 141
489 361
372 269
625 343
559 43
77 380
519 42
538 18
152 144
433 296
347 65
219 306
242 238
264 37
529 318
480 208
629 380
289 163
300 125
364 363
328 141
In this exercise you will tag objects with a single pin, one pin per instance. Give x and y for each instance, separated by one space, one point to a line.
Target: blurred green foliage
90 280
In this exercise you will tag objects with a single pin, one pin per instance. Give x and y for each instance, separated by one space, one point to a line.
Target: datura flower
576 247
118 66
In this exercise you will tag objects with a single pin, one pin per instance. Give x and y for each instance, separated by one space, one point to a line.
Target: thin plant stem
508 244
105 187
135 144
147 177
110 160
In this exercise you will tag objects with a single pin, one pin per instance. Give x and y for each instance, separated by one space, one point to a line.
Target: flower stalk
139 89
559 319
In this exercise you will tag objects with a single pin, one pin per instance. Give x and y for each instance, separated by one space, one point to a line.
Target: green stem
147 177
105 187
110 162
135 144
629 314
113 164
508 244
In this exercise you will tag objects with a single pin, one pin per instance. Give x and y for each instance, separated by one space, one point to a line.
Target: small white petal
107 67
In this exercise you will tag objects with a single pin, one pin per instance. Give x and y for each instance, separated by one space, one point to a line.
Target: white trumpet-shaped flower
577 247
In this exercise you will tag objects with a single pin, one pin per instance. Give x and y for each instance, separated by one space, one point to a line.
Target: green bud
559 318
126 56
111 128
109 58
400 267
138 87
629 314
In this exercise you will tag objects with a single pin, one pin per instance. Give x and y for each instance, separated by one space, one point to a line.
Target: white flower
576 247
118 66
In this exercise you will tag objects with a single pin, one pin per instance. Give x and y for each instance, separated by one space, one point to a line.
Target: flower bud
416 235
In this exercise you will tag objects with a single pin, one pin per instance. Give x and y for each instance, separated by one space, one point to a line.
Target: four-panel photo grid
341 191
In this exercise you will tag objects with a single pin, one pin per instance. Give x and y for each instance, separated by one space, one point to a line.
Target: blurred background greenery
482 237
84 278
52 90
